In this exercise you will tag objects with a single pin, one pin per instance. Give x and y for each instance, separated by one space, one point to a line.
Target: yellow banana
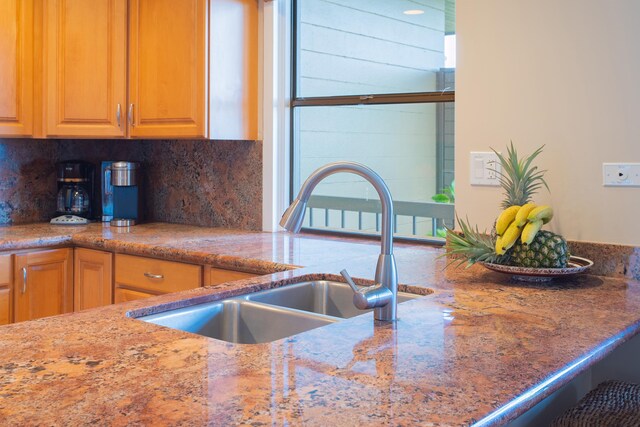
530 230
545 213
510 236
499 248
506 218
523 213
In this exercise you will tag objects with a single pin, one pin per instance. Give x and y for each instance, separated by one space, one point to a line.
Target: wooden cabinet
16 68
92 278
167 69
215 276
43 284
129 68
6 270
201 78
85 67
138 277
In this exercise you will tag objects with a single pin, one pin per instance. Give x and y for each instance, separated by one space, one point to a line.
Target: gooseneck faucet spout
384 294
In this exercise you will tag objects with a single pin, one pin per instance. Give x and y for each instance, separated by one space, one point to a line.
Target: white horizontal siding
363 47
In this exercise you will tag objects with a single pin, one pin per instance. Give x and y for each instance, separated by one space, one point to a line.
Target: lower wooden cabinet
92 278
43 284
140 277
215 276
48 282
5 289
124 295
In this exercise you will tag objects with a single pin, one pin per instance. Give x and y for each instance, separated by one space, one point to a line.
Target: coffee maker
75 193
121 193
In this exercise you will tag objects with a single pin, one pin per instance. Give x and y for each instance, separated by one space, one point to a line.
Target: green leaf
441 198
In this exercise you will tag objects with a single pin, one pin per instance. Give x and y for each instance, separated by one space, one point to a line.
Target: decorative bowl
575 265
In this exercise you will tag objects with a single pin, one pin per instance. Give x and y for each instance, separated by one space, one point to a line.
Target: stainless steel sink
323 297
239 321
267 315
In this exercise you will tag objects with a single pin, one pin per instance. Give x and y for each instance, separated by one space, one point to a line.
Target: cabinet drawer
214 276
124 295
155 275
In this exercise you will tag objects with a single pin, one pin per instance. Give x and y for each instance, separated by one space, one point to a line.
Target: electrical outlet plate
621 174
483 167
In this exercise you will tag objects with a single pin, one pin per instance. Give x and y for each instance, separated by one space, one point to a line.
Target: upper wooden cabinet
43 284
16 68
168 68
85 68
129 68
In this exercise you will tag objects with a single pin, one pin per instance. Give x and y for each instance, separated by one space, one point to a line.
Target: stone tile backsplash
207 183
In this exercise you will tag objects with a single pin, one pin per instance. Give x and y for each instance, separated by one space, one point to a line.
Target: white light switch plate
482 169
621 174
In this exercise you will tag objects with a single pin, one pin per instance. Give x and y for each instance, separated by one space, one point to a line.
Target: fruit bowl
529 274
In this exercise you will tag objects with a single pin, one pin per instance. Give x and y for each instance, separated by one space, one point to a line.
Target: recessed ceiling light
413 12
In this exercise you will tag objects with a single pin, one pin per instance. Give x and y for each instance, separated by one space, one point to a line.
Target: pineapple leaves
519 179
469 245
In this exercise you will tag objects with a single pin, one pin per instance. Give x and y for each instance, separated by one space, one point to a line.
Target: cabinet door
92 279
167 68
86 67
5 289
43 284
16 67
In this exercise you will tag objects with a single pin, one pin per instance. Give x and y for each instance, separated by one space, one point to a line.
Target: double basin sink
267 315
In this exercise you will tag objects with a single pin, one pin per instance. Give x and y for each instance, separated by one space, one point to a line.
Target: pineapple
548 250
519 180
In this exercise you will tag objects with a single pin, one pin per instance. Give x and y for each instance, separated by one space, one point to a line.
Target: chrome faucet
383 296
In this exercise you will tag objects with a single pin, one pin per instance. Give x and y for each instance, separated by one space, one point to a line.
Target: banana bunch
522 222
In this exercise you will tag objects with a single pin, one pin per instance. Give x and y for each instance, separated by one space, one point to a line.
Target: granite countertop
469 352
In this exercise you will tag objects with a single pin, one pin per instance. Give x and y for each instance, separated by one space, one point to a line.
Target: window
373 83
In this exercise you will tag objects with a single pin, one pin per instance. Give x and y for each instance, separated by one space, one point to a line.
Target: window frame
433 97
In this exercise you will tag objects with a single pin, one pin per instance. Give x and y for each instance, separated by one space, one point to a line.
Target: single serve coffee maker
121 193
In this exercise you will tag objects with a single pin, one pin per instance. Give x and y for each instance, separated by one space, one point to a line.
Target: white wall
561 73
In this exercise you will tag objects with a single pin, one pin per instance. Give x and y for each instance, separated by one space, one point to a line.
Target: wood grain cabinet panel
43 284
16 68
6 270
215 276
92 278
86 53
153 276
125 295
167 68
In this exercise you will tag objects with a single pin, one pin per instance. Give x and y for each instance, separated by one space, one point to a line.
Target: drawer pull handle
154 276
24 279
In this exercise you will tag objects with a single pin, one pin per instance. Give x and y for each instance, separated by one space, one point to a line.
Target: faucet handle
350 281
367 297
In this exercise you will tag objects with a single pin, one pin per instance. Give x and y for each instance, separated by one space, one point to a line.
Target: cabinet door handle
24 279
118 114
131 115
154 276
